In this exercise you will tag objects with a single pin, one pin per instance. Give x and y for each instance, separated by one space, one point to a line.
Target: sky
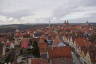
41 11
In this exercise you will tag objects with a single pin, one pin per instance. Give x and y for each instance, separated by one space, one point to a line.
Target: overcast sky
39 11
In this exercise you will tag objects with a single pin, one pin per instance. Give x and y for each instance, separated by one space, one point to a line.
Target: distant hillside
13 27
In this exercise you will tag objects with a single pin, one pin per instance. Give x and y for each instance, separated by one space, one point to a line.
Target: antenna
49 22
87 21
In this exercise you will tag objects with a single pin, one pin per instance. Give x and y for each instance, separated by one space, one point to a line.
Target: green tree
36 52
92 38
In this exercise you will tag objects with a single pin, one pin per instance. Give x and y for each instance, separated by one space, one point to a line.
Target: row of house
55 43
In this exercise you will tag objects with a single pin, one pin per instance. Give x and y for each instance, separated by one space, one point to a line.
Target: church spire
67 22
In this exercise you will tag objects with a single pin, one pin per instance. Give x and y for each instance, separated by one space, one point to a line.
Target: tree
36 52
92 38
1 44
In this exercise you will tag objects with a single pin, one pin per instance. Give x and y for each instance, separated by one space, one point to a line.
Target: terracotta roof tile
59 52
42 46
82 42
39 61
62 61
24 43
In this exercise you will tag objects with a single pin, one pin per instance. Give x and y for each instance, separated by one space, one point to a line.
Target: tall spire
49 22
65 22
87 23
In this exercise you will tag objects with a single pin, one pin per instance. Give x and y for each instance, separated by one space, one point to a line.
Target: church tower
66 22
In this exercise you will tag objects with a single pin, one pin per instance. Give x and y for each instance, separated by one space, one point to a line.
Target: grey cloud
17 14
74 6
60 8
89 2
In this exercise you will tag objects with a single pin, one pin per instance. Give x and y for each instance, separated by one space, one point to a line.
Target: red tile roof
59 52
62 61
82 42
39 61
42 46
2 39
56 40
24 43
18 34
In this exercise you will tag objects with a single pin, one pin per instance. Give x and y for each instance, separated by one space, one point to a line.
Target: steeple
87 23
67 22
